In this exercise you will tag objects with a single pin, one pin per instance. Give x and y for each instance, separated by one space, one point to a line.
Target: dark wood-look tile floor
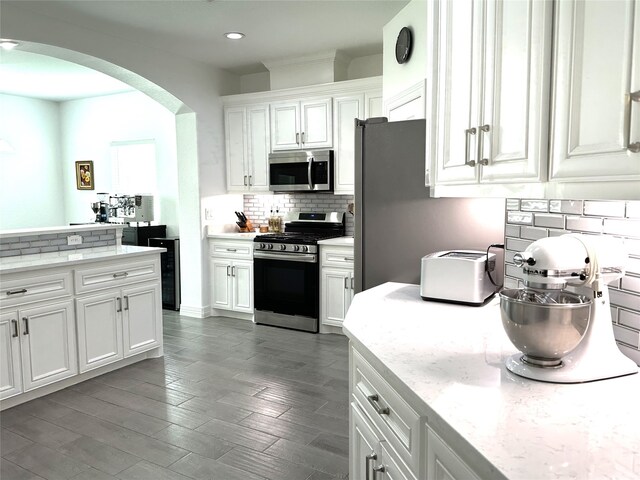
229 400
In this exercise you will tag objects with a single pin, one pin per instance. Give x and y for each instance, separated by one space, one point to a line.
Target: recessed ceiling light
8 44
234 35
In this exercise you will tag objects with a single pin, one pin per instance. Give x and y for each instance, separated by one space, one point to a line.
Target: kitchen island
72 314
455 410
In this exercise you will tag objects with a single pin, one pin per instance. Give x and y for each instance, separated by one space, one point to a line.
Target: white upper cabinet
493 91
596 108
247 148
346 110
301 124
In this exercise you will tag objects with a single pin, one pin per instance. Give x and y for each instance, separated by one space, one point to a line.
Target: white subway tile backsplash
566 206
533 233
522 218
513 204
604 209
627 227
626 335
517 244
512 230
584 224
629 319
548 220
633 210
534 205
630 284
527 220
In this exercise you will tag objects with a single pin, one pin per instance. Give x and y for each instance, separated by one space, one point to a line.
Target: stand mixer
561 320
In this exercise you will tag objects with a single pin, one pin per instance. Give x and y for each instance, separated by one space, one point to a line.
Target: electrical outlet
74 240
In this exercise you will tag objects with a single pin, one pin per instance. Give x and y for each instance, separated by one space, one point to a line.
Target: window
133 168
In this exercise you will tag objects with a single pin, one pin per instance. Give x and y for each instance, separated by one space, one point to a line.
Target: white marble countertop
449 360
71 257
61 229
338 241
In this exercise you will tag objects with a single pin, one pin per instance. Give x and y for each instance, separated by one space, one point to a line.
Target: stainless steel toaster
457 276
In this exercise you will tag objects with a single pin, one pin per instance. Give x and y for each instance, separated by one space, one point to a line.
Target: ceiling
274 29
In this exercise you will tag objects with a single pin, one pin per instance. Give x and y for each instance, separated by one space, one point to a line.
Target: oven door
286 284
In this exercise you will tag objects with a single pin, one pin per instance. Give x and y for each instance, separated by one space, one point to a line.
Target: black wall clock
403 45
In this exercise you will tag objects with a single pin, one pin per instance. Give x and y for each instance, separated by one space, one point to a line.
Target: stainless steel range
286 270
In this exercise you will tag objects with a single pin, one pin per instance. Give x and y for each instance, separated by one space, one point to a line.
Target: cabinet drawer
231 249
21 288
397 421
101 276
337 257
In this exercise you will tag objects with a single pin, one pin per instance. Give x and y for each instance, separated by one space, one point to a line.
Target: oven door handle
310 173
287 257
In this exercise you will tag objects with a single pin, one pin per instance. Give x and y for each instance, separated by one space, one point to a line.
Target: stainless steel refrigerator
396 222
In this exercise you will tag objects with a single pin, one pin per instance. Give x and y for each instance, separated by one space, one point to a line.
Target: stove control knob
270 246
305 248
262 246
283 247
296 248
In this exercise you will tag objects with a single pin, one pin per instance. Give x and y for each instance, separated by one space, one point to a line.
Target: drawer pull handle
228 267
379 468
232 249
126 302
348 259
15 292
346 279
119 309
118 275
26 325
373 400
367 459
15 328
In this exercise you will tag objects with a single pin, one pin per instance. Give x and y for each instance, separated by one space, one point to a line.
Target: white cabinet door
242 279
336 295
99 330
316 124
258 147
597 67
443 463
285 126
390 465
10 371
221 284
365 446
346 110
141 318
236 148
48 344
373 106
460 42
514 106
493 91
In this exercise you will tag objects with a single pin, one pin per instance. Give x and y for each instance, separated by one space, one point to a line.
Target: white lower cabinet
117 324
231 270
336 283
41 343
443 463
392 439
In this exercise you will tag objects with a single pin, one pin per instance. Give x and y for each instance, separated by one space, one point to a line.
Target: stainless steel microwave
301 171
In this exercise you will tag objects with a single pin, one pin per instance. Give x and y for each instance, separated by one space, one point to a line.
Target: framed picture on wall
84 174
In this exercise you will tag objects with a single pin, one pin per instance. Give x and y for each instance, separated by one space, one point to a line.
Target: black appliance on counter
169 271
286 270
141 234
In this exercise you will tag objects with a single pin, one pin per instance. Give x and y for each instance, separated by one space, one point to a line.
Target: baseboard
215 312
195 312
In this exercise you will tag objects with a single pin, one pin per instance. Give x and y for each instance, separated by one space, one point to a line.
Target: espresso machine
561 319
123 208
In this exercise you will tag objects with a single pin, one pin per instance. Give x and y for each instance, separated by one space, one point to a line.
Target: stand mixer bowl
545 325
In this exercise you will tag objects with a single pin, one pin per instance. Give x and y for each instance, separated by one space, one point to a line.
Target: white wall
88 127
365 67
31 177
396 77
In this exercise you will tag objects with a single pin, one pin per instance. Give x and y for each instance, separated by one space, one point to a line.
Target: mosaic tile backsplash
258 207
54 242
529 220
